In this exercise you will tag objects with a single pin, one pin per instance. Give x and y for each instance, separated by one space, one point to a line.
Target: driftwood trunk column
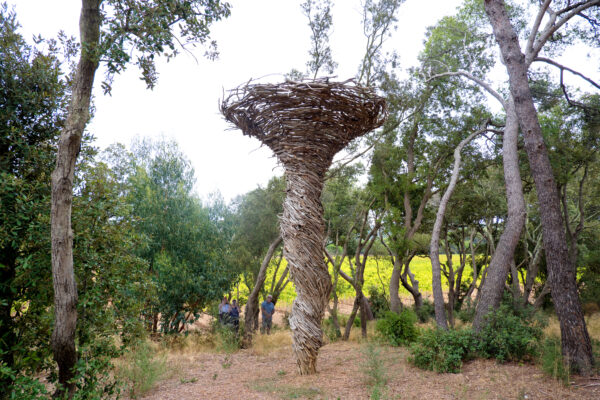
305 124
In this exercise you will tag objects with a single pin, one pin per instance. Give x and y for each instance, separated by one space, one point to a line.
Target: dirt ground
268 371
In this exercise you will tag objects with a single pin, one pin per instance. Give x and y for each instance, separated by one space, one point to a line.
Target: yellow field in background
377 273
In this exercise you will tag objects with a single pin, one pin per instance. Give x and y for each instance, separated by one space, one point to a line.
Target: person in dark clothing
234 315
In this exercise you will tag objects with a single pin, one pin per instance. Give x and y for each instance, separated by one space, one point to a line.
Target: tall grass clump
227 340
398 329
552 360
374 371
141 369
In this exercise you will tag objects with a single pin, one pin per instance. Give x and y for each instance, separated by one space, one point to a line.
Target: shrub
378 301
142 369
398 329
510 334
442 351
426 311
552 360
467 312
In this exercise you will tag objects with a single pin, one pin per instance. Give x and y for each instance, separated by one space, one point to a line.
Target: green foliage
22 387
145 30
442 351
256 226
34 96
329 329
425 312
173 222
142 369
378 301
374 371
510 335
552 360
33 93
398 329
467 312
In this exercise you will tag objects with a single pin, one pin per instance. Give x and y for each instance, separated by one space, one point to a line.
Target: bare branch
552 27
478 81
536 26
565 68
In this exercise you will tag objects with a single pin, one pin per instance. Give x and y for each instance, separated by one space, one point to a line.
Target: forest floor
196 370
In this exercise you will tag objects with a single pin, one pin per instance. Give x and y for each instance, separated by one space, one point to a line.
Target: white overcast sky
261 37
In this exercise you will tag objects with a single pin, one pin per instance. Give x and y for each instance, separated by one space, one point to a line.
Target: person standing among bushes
224 309
268 309
234 315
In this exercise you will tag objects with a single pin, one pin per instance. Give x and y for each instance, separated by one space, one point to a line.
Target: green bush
398 329
442 351
467 312
426 311
510 334
22 387
552 360
378 301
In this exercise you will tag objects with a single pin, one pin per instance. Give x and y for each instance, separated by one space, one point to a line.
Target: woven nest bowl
307 119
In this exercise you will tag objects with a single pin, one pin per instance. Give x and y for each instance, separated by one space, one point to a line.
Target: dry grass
269 372
263 345
592 322
195 370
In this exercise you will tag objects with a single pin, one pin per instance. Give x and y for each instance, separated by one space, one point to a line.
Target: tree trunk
576 345
251 312
491 290
434 246
63 276
351 318
395 303
303 232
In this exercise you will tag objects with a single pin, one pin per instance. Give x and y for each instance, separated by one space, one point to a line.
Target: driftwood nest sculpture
305 124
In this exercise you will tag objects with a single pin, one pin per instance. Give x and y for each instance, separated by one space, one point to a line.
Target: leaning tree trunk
251 311
434 247
493 287
305 124
303 232
63 276
576 345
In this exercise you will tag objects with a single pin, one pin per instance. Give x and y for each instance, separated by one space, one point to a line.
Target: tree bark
251 311
394 288
434 246
63 276
303 232
576 345
493 287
